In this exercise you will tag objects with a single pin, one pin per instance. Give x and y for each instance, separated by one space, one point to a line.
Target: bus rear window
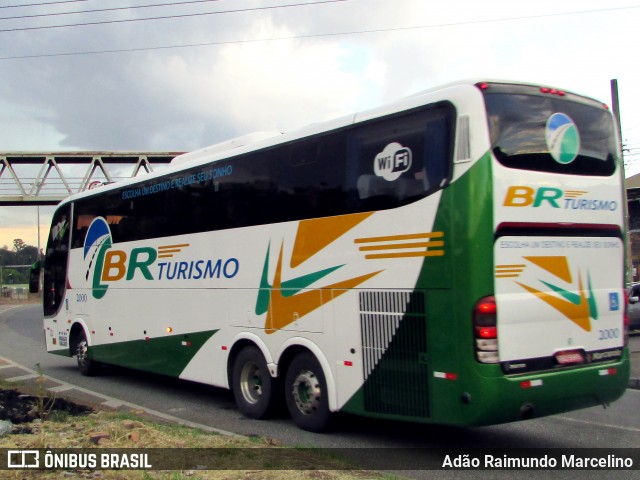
551 134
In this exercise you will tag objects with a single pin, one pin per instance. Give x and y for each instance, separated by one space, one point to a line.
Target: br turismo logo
563 139
107 265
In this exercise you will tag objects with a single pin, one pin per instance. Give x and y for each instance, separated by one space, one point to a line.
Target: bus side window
437 153
78 237
81 227
303 153
424 137
313 176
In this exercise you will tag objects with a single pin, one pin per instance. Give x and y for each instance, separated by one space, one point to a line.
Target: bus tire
252 384
306 394
86 364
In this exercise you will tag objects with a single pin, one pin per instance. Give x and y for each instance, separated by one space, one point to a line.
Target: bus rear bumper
507 399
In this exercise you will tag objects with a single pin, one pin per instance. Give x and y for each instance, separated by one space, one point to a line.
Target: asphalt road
21 341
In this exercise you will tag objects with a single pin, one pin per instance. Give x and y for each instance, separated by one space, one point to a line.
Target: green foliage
11 276
21 254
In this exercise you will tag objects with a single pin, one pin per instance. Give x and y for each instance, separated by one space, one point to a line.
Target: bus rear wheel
86 364
253 385
306 393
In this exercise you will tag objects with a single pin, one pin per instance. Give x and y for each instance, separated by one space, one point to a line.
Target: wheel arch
77 327
247 340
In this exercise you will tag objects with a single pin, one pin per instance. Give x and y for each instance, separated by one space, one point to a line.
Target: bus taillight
486 330
553 91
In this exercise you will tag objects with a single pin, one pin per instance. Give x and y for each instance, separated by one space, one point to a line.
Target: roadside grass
132 430
7 385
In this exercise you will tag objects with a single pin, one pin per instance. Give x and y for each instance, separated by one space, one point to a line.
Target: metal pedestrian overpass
46 178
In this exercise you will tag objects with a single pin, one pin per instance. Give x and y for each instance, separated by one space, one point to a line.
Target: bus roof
257 140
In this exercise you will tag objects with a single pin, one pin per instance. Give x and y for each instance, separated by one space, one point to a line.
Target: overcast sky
263 69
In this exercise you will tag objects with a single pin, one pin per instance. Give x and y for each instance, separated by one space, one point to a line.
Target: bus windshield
551 133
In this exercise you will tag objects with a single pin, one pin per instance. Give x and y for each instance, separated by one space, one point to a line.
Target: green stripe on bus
400 385
168 355
64 352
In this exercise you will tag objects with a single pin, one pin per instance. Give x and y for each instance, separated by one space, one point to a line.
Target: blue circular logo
563 139
96 235
96 243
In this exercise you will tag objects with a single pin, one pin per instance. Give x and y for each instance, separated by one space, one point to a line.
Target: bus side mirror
633 300
34 278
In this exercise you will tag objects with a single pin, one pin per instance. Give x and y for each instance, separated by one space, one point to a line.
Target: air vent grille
394 345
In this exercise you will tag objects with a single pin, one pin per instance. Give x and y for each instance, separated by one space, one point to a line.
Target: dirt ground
22 409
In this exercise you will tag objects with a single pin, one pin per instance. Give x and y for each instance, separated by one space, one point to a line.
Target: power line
316 35
101 10
42 4
165 17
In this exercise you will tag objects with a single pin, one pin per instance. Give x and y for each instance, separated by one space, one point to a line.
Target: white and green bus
456 257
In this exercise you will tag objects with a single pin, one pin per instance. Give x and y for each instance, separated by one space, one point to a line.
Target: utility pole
615 101
616 112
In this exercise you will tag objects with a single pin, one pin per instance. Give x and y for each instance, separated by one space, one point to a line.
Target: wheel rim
251 382
307 392
83 355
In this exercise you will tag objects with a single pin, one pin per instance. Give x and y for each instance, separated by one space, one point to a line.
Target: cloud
187 98
180 99
21 222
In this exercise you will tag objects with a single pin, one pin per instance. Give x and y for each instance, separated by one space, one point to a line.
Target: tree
7 256
27 255
19 245
22 254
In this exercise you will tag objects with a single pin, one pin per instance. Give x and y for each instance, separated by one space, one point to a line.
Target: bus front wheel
253 386
86 364
306 393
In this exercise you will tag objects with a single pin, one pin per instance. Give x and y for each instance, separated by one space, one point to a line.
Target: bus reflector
531 383
485 330
169 329
607 372
446 375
